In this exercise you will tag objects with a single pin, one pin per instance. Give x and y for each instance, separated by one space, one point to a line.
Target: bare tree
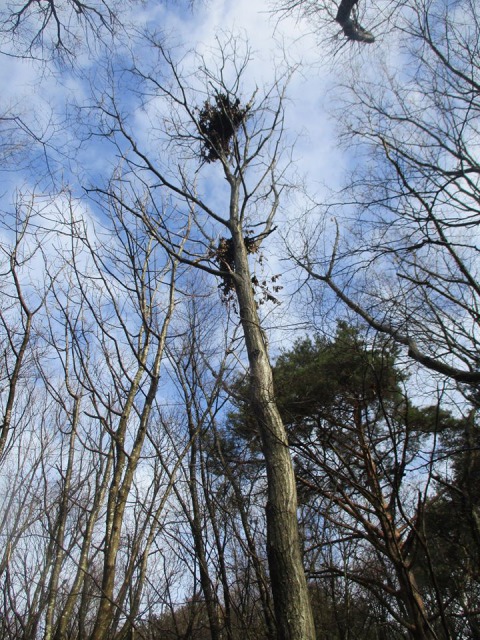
212 127
136 374
218 505
200 404
367 461
19 252
85 394
56 27
408 264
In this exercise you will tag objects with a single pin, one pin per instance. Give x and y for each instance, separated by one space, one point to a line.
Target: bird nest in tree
218 122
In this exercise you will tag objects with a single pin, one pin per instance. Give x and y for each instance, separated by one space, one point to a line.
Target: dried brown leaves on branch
224 256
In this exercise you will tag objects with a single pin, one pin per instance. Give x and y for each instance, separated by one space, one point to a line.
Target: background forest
239 320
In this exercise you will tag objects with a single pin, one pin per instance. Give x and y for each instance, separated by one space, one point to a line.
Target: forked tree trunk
421 629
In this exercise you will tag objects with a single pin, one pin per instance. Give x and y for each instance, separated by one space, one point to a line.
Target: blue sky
40 93
52 100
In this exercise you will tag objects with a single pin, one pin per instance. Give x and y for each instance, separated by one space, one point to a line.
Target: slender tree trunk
81 575
126 467
116 505
220 545
260 573
61 527
197 532
14 379
421 629
289 586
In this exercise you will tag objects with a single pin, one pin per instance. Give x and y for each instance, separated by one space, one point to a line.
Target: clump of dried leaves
224 256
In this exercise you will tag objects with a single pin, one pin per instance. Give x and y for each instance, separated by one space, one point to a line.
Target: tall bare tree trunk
245 140
61 525
289 586
126 463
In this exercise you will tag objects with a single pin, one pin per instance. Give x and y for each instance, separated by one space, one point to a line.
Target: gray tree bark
289 586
